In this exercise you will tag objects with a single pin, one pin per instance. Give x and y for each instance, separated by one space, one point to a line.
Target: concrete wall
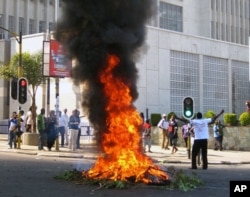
235 138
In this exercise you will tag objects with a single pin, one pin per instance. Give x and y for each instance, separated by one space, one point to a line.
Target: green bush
230 119
244 119
209 114
155 118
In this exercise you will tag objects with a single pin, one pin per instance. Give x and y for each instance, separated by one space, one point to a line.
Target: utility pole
57 110
57 82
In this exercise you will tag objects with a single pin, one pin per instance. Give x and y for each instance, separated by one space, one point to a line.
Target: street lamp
19 40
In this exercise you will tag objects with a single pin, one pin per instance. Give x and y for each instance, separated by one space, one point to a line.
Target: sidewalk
88 151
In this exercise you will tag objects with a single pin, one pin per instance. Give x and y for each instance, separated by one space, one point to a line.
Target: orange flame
123 157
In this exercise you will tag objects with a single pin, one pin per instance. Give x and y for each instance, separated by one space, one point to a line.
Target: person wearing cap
201 135
163 125
74 122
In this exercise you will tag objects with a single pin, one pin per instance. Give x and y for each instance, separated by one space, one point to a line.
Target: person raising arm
201 132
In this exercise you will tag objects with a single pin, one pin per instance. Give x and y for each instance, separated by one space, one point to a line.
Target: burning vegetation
104 37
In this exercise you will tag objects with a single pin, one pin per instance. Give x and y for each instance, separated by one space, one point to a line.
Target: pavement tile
88 151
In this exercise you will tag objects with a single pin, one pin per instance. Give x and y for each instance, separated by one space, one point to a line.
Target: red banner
60 66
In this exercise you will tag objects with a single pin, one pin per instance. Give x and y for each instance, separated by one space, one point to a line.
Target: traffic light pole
188 113
19 75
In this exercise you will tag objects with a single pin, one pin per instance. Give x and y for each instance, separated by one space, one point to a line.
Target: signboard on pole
55 62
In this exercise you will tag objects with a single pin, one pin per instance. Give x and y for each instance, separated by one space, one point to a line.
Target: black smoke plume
92 29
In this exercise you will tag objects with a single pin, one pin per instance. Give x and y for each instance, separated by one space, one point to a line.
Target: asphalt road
33 176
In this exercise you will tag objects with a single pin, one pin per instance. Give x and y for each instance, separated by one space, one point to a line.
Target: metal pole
20 56
20 73
189 146
57 108
57 79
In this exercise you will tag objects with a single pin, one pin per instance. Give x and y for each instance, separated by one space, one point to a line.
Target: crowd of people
195 129
69 129
49 128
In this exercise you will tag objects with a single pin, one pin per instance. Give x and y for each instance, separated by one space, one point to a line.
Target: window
11 25
184 78
42 26
2 36
171 17
22 25
51 26
32 26
240 86
215 83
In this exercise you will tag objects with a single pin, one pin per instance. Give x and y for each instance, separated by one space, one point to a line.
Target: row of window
184 81
32 26
235 7
230 29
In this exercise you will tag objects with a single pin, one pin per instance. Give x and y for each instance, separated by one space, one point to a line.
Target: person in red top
146 136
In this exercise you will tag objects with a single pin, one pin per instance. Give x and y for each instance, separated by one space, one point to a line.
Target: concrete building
193 48
199 49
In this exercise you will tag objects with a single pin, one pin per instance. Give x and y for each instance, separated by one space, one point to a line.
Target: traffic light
22 90
188 107
14 88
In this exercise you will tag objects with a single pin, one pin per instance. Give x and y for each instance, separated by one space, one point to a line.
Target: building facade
193 48
199 49
27 16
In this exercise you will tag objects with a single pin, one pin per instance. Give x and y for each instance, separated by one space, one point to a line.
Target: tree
31 69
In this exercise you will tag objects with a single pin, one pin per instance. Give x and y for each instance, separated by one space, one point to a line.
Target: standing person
22 123
201 135
163 125
65 123
171 125
13 126
174 138
74 122
79 130
41 129
142 122
218 135
28 120
51 129
61 128
185 133
146 136
221 127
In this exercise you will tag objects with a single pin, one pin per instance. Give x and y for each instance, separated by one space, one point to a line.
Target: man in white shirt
201 135
29 120
65 122
163 125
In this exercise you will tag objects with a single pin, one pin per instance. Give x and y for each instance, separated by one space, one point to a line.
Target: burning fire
123 156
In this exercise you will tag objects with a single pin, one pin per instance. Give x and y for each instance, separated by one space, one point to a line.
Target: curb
51 154
89 156
210 163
